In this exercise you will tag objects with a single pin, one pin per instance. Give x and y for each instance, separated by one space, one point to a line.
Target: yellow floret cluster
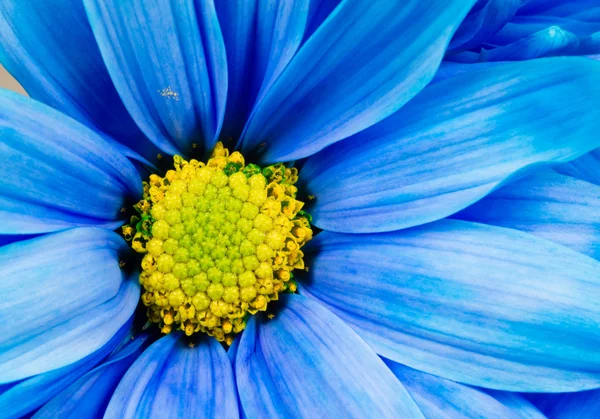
220 240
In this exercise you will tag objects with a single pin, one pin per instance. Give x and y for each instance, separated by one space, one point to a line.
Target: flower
402 311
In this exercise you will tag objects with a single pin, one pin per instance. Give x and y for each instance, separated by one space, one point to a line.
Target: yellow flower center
220 240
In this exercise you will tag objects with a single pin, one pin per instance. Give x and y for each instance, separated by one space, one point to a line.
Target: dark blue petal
23 397
307 363
523 26
48 46
261 37
173 379
581 405
354 71
89 396
169 66
438 398
455 143
478 304
64 296
57 173
483 20
548 205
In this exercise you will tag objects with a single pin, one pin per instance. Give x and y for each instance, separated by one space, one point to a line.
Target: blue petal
168 64
41 44
308 363
261 37
56 173
478 304
587 167
517 402
438 398
582 405
354 71
548 205
172 379
545 43
455 143
483 20
319 11
27 395
523 26
57 291
89 396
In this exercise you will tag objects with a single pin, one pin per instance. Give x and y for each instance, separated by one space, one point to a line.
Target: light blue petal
581 405
307 363
173 379
57 290
517 402
440 398
545 43
477 304
586 167
57 173
484 19
41 45
169 66
555 207
455 143
354 71
23 397
261 37
89 396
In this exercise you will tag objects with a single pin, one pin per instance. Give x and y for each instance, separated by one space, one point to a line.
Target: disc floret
220 240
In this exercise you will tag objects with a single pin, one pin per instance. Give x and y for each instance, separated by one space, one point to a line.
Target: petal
23 397
57 290
582 405
455 143
354 71
169 66
57 173
587 167
518 402
173 379
523 26
549 205
308 363
477 304
41 44
483 20
89 396
261 37
437 397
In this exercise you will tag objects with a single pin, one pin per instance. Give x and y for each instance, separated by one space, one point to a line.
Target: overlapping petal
549 205
64 297
478 304
168 64
437 398
88 396
581 405
354 71
306 362
42 44
456 142
173 379
57 173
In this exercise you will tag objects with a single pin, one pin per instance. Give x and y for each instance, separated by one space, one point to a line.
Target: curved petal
261 37
88 396
354 71
41 44
549 205
581 405
19 399
455 143
586 167
517 402
477 304
439 398
523 26
57 290
483 20
169 66
57 173
307 363
174 379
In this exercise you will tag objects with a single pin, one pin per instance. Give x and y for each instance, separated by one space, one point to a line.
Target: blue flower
439 266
